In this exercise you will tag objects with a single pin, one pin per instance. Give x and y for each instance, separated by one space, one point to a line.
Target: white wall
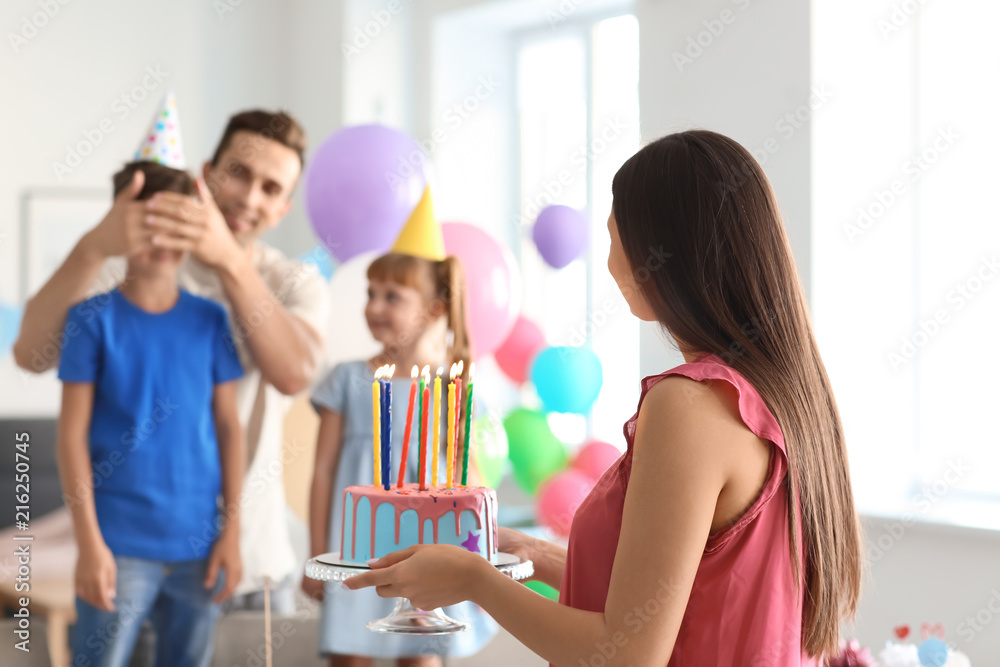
928 573
746 78
747 66
289 54
64 80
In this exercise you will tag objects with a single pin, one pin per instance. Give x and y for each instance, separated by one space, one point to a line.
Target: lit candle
468 428
453 436
424 413
387 429
376 420
450 461
435 433
406 430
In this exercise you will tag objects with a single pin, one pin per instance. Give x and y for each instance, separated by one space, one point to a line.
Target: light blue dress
347 389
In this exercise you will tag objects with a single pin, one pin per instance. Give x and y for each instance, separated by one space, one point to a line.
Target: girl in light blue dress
415 310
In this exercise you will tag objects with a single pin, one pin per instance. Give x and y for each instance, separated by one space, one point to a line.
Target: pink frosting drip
432 503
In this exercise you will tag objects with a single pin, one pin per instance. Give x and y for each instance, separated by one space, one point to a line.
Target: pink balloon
493 281
559 499
514 356
594 458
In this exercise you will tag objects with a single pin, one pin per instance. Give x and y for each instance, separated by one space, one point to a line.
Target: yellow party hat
421 235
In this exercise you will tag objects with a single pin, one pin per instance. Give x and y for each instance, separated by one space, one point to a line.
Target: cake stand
406 619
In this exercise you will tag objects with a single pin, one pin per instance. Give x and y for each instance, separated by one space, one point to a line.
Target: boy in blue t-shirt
148 438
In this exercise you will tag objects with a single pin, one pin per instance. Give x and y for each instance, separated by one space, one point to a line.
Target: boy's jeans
174 598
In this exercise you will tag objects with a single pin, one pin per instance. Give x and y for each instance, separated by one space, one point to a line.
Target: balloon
488 450
319 257
560 497
361 186
515 354
543 588
10 324
493 284
560 234
933 652
535 453
568 379
595 457
347 334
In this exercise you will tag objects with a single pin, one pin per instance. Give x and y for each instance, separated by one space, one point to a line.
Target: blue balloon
10 323
321 258
933 653
568 379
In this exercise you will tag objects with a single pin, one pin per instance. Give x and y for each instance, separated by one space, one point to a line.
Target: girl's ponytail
451 288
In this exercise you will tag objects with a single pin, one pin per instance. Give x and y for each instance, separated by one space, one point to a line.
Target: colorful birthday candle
406 431
376 422
425 391
436 430
449 462
387 429
468 427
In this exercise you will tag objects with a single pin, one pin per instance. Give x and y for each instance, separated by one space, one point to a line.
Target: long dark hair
728 286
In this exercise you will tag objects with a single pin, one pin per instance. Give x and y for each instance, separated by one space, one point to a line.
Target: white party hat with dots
162 142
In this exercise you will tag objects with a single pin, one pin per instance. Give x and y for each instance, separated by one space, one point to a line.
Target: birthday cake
389 516
377 522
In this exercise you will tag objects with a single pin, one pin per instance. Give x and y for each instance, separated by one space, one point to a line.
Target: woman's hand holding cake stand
428 575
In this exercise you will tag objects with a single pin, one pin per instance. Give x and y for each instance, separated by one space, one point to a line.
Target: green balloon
543 589
488 450
535 452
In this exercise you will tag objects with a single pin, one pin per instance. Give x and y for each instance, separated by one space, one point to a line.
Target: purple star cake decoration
471 543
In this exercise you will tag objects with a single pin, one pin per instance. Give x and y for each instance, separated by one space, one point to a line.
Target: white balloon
347 334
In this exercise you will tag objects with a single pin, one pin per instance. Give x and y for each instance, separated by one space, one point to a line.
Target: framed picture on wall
52 221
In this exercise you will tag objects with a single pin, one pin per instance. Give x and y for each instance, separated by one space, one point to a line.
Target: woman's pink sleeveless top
745 607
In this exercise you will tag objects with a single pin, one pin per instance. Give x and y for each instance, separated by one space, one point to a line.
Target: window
906 289
577 112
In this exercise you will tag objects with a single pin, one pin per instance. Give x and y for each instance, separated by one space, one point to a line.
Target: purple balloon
560 234
361 186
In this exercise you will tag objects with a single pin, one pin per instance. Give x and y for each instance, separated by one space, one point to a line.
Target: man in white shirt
277 309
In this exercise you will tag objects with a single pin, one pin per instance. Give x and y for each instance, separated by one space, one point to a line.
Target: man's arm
121 232
232 457
286 349
95 569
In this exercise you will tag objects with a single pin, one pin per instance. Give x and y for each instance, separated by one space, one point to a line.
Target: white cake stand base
406 619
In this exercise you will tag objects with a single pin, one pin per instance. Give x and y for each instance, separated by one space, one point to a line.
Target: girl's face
396 314
626 278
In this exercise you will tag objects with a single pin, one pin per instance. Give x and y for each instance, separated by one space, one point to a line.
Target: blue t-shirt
157 474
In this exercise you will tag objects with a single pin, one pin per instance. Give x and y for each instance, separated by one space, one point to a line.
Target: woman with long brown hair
726 534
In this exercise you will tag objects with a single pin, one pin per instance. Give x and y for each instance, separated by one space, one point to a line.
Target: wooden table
53 600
